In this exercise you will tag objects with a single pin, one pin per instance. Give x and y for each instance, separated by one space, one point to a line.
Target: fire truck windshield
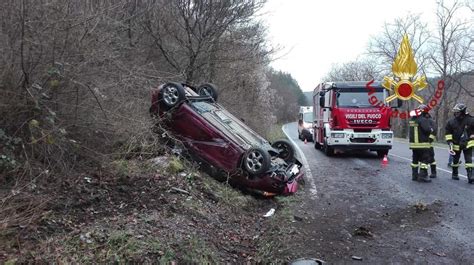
356 97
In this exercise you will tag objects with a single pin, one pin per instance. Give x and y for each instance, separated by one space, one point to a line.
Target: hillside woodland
82 175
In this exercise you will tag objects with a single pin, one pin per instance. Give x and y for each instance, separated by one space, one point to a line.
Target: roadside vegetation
84 177
161 209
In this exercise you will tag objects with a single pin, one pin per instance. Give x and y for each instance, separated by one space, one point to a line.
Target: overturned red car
224 143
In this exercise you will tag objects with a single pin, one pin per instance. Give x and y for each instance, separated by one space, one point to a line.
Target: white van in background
305 123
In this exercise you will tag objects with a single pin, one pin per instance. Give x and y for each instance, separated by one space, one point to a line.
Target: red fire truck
349 116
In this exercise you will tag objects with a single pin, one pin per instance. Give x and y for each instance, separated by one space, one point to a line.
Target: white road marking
442 169
435 146
308 174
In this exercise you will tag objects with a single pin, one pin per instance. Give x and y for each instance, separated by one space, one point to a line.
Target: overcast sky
316 34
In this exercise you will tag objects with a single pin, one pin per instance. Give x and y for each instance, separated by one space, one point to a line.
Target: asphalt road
413 222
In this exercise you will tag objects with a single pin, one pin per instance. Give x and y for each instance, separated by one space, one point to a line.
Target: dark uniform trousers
455 131
420 158
419 135
467 156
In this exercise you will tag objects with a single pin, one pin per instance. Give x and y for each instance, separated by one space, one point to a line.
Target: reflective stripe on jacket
455 128
420 131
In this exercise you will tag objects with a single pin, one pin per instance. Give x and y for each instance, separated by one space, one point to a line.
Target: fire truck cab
349 116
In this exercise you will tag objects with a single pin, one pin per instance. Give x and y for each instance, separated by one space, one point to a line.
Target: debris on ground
297 218
310 261
420 207
269 213
363 231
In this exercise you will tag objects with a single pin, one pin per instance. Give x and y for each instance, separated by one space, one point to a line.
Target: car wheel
171 94
208 90
256 161
285 150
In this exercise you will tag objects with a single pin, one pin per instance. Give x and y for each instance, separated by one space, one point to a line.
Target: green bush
175 166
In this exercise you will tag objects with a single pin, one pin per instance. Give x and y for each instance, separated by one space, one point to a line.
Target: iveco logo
363 121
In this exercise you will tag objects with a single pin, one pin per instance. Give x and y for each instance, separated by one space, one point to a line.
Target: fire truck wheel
329 151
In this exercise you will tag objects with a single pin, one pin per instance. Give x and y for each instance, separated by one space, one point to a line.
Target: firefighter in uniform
432 161
460 137
419 135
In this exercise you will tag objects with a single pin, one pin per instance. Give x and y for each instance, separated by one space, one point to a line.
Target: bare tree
288 94
189 33
384 47
452 56
77 74
219 42
360 70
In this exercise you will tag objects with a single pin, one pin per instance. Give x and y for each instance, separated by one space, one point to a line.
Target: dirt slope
143 212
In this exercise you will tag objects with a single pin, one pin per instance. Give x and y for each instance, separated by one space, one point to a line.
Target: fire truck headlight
387 135
337 135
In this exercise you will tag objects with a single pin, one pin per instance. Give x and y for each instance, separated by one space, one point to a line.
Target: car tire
256 161
208 90
286 151
171 95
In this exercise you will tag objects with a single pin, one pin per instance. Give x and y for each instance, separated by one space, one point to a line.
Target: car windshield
308 117
228 124
357 97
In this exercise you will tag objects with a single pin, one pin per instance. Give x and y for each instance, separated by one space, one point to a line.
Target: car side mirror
321 101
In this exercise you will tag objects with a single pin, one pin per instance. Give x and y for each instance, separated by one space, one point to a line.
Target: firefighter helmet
460 107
